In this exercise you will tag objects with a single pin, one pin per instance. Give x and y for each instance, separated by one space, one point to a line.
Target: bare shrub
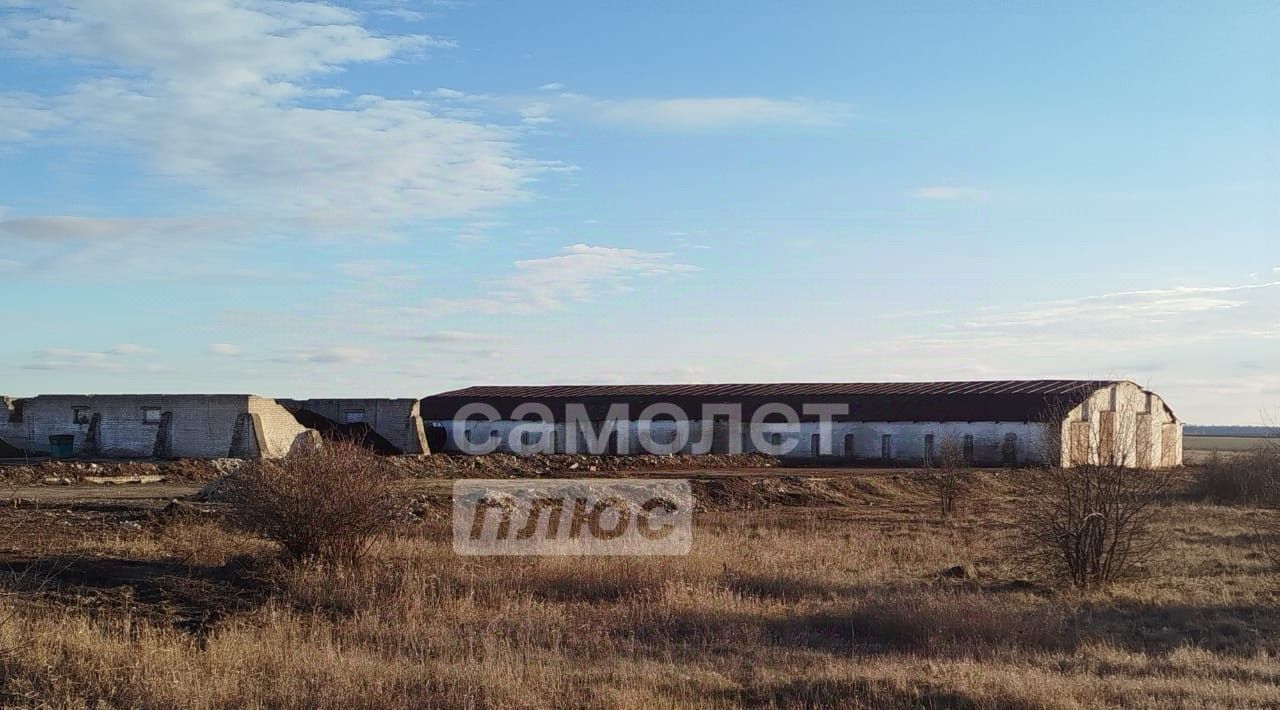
1090 525
324 503
1249 478
949 479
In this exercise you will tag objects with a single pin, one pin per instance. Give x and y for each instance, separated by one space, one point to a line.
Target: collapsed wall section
278 431
397 422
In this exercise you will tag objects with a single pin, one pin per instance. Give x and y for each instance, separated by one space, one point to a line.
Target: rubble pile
513 466
68 471
433 466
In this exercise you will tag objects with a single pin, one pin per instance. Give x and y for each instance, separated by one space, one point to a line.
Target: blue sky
396 198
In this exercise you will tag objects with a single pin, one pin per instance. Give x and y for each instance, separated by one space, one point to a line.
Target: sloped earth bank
512 466
433 466
62 472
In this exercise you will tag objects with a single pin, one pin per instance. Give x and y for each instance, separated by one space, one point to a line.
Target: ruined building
996 423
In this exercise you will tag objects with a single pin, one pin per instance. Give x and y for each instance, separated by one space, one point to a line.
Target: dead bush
1248 478
951 476
324 503
1089 525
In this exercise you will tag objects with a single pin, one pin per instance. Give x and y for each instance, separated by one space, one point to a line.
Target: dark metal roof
1001 400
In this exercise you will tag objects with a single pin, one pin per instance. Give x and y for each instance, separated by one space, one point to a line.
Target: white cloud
695 113
24 115
336 355
458 337
63 227
1167 326
108 360
470 239
950 192
224 349
578 273
221 95
129 349
1147 305
10 266
68 227
712 113
553 86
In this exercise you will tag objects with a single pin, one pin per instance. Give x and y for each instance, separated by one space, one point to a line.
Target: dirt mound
745 493
553 465
70 471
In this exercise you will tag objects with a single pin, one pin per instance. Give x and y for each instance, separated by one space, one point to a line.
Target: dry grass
1251 477
795 607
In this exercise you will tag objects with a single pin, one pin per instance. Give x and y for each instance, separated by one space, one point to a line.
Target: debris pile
556 465
433 466
68 471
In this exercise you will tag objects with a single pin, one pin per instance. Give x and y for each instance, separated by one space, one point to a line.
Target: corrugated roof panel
998 400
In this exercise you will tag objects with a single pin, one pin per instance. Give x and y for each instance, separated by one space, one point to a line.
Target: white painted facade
1143 432
864 442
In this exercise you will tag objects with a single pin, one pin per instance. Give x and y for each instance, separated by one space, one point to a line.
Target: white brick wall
907 441
202 425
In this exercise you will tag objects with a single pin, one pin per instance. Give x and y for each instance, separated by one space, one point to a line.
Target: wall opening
848 446
967 451
815 445
928 450
62 446
437 438
1009 450
886 448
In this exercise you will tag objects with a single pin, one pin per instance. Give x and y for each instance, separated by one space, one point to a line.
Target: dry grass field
828 597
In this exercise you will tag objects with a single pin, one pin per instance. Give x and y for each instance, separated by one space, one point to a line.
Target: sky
397 197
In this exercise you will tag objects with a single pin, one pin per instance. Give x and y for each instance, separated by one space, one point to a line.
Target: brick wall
115 426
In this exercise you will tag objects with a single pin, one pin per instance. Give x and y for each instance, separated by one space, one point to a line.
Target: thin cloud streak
578 274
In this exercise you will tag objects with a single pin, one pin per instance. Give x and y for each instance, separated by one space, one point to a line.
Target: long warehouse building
992 423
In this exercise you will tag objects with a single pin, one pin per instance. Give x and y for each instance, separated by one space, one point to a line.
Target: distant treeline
1208 430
